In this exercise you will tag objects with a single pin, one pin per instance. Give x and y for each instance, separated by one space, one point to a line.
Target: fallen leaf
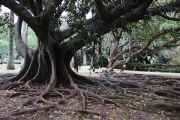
138 103
13 99
88 104
84 26
85 118
73 113
95 33
123 111
77 104
133 111
18 107
113 90
111 118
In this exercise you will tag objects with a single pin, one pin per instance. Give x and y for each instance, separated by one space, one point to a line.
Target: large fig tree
50 62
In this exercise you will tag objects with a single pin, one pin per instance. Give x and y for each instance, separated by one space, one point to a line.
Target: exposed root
103 99
38 98
167 93
63 96
105 90
116 97
176 88
172 115
18 112
10 85
168 107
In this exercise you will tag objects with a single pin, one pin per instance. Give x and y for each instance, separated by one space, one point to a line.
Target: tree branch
21 11
32 6
169 18
50 8
127 7
117 38
21 47
164 9
39 6
102 10
150 41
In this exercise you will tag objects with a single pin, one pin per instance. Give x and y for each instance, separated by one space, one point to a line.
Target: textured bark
10 62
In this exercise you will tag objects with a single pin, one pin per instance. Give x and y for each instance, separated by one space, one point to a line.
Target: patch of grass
4 65
44 112
17 104
151 69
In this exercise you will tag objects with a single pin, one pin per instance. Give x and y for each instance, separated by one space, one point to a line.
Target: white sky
4 9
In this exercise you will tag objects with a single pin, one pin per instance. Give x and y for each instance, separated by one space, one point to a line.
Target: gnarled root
168 93
168 107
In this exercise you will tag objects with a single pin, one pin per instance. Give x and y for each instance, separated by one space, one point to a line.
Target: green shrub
160 69
175 61
17 62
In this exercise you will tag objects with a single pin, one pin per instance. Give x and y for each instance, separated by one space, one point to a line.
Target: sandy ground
85 69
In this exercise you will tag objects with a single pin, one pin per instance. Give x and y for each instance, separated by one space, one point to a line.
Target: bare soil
142 103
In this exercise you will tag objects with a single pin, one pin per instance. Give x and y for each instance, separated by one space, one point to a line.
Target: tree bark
10 62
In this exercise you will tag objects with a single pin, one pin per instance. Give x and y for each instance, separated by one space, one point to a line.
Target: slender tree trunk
84 59
10 63
93 55
72 62
2 58
24 36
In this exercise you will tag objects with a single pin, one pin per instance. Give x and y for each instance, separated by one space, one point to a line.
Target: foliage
31 39
175 60
4 43
4 22
3 47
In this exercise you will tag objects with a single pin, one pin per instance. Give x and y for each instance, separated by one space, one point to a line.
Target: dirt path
84 70
165 74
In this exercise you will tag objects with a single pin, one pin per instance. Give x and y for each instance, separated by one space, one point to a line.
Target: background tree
5 23
4 49
120 45
10 62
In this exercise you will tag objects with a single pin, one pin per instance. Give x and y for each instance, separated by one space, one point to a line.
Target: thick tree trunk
110 65
10 62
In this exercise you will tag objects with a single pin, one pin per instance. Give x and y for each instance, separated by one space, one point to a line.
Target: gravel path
173 75
84 70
